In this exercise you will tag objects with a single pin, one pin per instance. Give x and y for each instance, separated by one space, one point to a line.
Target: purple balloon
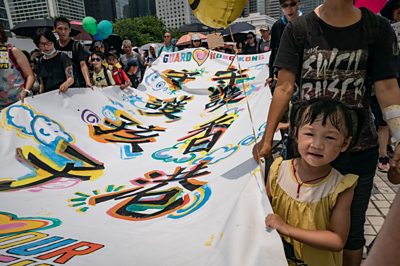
98 37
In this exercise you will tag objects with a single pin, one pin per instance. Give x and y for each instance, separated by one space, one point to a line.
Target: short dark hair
63 20
3 34
251 33
98 53
45 32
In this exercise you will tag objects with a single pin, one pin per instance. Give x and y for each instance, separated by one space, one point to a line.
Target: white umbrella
147 46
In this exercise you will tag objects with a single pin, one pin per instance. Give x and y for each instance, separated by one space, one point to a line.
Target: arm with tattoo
70 79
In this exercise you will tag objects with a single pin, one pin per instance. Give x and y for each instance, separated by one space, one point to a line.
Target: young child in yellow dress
311 200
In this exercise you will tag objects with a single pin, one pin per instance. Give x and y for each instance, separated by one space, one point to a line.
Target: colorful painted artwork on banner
96 177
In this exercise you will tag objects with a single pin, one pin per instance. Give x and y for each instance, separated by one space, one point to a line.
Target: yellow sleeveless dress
311 210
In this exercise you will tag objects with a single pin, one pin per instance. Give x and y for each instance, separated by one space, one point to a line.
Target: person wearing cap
132 70
265 42
196 41
117 72
290 9
74 50
98 46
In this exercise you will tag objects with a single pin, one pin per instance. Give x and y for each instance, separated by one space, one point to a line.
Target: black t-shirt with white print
76 55
336 63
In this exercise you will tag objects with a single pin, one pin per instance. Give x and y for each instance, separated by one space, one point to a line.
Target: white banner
160 175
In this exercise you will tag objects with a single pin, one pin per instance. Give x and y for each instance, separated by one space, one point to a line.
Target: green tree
140 30
175 33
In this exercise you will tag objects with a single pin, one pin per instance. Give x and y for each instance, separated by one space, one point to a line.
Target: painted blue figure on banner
54 160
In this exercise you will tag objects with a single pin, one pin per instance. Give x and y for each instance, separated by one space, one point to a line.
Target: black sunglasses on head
292 4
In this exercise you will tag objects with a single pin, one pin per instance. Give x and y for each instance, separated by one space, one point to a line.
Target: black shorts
376 110
362 164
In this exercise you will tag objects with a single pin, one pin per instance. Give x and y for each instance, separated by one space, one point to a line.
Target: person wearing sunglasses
338 51
290 9
54 69
167 46
100 75
251 46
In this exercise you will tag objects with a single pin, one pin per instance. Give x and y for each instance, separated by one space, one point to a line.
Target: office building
273 9
120 6
22 10
174 13
3 16
101 9
306 6
254 6
139 8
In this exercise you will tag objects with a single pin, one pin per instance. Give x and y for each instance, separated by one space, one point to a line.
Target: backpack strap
106 76
160 51
300 32
371 23
75 47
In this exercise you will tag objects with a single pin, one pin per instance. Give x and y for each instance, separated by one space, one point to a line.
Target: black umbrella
113 41
28 28
237 28
387 10
195 27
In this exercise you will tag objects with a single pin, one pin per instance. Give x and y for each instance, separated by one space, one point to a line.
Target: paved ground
382 197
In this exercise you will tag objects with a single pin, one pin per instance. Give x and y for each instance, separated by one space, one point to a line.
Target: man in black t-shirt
74 50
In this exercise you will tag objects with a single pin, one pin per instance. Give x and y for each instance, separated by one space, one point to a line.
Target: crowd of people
59 62
62 63
324 68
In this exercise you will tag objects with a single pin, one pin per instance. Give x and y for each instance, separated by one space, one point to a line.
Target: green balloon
89 24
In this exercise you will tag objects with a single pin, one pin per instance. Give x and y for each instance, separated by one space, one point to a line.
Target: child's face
111 60
319 145
96 61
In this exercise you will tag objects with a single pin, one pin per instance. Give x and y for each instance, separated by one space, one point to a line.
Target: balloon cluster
99 31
